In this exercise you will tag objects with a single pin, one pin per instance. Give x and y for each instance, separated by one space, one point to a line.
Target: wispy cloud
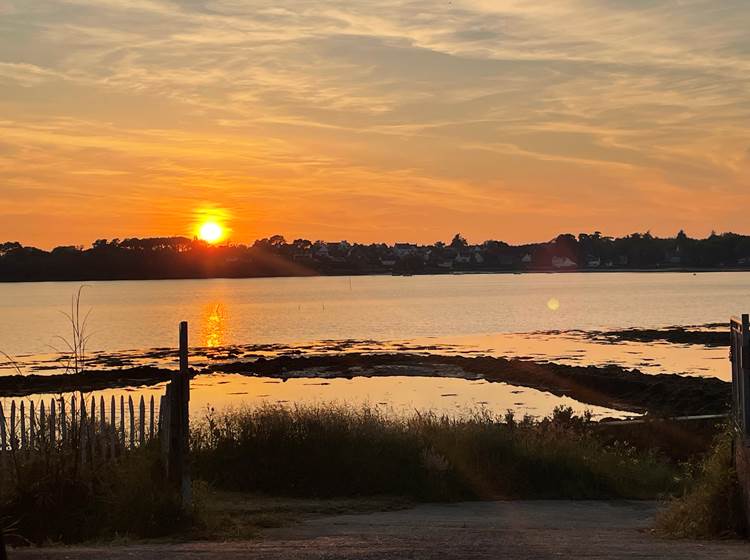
503 118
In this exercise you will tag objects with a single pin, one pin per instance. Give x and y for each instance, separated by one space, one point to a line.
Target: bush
49 496
326 451
712 504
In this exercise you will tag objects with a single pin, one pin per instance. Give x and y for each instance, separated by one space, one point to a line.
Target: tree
9 246
277 241
459 242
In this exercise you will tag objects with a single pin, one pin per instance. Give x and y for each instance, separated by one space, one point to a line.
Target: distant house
674 258
593 262
342 246
404 249
320 249
527 259
563 262
329 249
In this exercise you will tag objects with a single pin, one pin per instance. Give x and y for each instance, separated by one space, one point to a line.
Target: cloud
312 108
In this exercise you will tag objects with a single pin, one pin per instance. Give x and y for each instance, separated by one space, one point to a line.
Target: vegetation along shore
182 257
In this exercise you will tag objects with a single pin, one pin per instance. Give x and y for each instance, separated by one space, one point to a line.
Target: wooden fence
740 356
99 429
89 424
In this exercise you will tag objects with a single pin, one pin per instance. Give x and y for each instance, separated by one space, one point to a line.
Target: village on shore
182 257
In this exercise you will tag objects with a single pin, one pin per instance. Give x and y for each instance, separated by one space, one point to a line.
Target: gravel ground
488 530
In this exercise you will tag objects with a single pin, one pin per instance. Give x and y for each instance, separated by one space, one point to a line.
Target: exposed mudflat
712 334
610 386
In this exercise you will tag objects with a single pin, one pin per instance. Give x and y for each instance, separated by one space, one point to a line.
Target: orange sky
373 121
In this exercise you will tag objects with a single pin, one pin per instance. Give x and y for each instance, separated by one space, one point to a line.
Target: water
397 395
492 314
145 314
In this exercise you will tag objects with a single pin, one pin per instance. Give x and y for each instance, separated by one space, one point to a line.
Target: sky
373 120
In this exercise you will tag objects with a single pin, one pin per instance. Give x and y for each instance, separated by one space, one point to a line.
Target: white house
563 262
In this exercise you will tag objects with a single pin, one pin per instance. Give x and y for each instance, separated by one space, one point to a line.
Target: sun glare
211 232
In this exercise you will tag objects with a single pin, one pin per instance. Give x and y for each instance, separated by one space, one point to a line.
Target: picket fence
68 423
100 432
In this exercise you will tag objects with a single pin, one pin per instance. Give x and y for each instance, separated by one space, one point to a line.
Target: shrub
50 496
712 504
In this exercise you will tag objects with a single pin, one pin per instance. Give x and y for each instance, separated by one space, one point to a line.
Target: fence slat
132 422
151 419
63 422
52 422
13 438
3 435
122 421
82 430
22 413
102 413
164 416
32 424
112 422
142 422
42 423
73 420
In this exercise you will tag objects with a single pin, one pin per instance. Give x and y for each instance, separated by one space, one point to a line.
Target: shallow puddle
400 395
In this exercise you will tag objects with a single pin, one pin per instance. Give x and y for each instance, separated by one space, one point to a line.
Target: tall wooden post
740 355
178 462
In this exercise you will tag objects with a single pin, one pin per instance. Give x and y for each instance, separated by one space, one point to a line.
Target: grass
271 466
711 506
238 516
48 496
331 451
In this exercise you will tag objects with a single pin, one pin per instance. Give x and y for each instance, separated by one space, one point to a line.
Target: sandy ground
507 530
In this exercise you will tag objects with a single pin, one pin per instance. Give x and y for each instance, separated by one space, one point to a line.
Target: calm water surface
454 313
138 315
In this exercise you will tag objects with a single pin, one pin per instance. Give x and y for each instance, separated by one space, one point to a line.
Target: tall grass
326 451
712 503
48 495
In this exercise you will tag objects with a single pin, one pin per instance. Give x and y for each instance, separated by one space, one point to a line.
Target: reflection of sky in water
145 314
398 394
244 319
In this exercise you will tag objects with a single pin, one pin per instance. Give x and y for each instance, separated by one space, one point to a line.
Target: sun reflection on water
214 325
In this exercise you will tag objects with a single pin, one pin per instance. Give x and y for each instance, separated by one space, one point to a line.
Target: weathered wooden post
178 461
740 356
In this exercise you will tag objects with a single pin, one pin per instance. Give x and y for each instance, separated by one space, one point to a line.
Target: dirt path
490 530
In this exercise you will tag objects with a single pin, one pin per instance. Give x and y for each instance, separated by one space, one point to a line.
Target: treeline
181 257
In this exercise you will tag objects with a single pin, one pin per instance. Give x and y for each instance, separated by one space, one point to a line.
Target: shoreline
385 273
609 386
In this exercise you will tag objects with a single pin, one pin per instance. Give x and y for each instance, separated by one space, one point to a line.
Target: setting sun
211 232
